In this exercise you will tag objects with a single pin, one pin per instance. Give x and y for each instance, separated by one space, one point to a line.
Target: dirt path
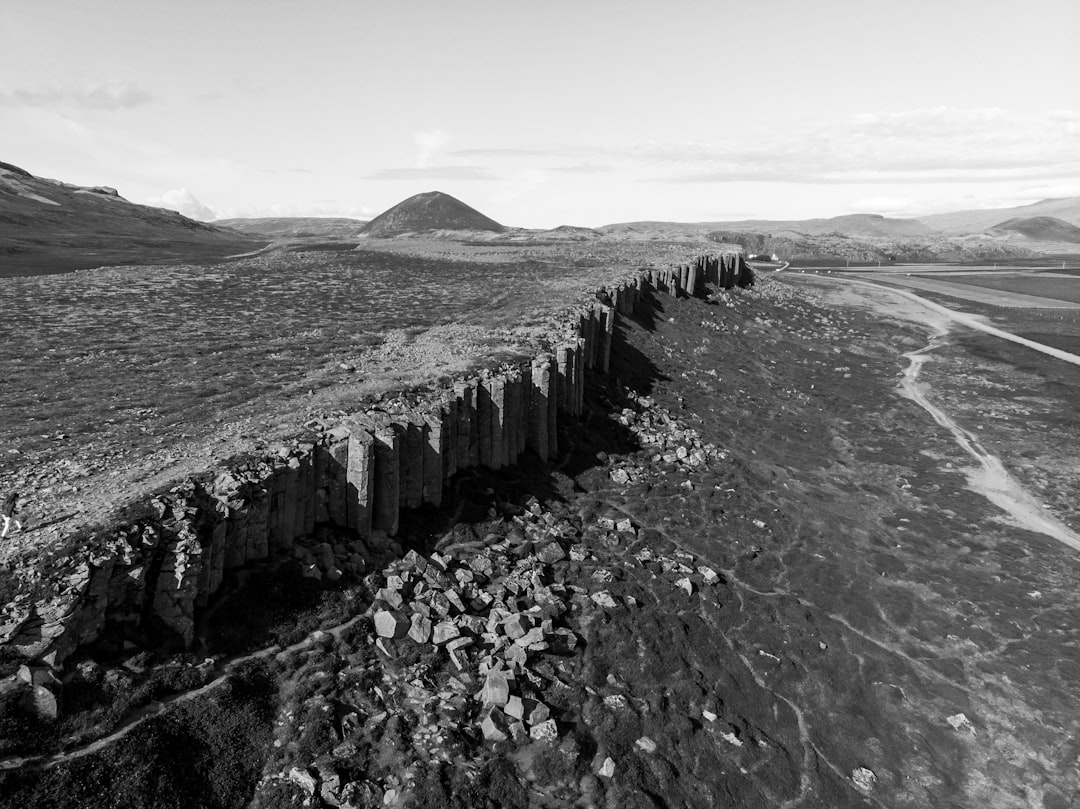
140 715
964 319
989 478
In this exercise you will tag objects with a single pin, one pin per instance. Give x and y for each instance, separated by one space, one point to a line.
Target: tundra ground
876 634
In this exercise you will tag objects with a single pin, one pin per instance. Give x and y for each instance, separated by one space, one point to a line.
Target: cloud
1051 191
434 173
430 143
319 208
183 201
919 146
584 168
887 206
92 96
511 152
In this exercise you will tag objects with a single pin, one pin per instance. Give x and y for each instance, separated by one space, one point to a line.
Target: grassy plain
125 378
1044 285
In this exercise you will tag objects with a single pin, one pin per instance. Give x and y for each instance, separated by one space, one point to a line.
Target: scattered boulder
391 624
420 629
864 780
604 599
645 744
494 726
546 731
303 779
496 689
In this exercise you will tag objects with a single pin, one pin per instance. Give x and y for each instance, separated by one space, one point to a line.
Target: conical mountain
432 210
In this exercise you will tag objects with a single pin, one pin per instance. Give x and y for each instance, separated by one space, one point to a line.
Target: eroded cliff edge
142 579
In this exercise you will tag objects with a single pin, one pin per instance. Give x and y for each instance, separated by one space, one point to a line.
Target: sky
548 113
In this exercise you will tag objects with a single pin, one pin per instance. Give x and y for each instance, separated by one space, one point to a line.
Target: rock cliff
143 580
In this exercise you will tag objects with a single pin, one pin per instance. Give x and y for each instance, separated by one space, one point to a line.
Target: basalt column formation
144 579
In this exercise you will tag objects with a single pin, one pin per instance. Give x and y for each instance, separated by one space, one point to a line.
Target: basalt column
387 471
579 378
304 523
512 415
692 280
607 314
483 418
360 481
412 461
449 413
333 499
565 355
745 276
468 449
434 450
540 379
496 387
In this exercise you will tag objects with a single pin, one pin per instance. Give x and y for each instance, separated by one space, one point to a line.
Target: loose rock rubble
464 642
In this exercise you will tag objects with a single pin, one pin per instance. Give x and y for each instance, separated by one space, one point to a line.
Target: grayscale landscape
339 490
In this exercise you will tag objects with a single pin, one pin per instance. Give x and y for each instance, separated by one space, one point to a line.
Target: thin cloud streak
433 173
860 177
584 168
512 152
95 96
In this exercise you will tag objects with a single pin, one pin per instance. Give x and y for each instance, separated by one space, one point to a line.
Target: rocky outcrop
144 579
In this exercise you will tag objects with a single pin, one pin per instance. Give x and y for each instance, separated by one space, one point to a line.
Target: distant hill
858 225
429 211
48 226
861 225
564 233
297 227
1039 228
979 221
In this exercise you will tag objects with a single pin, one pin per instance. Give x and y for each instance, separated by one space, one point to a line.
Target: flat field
1059 287
1014 292
124 378
1055 327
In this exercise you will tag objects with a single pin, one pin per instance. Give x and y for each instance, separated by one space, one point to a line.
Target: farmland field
1044 285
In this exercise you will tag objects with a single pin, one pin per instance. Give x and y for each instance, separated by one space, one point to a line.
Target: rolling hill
853 225
430 211
1039 228
296 227
959 223
48 226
